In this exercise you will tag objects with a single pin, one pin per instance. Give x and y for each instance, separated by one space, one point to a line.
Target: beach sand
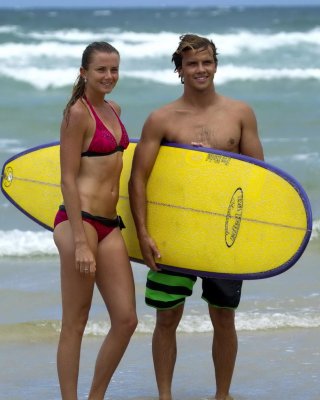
271 365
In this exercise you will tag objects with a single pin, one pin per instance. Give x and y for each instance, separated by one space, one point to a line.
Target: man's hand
149 252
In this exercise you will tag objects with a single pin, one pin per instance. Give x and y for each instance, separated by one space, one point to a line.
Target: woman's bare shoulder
77 118
115 106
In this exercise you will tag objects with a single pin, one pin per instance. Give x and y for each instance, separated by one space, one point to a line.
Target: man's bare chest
219 133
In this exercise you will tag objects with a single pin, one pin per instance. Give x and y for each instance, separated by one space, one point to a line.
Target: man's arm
143 161
250 144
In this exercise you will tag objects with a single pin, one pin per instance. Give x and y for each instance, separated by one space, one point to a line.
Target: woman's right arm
71 139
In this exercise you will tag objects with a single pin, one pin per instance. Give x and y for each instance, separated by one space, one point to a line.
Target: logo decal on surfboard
8 176
233 218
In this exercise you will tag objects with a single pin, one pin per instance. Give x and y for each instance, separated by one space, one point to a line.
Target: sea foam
18 243
50 58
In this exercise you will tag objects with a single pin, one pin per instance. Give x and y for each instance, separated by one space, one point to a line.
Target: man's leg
164 349
224 349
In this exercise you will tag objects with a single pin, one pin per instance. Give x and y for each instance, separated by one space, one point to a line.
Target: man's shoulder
234 103
163 112
167 108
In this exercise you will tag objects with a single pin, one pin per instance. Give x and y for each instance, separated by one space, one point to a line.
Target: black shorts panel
223 293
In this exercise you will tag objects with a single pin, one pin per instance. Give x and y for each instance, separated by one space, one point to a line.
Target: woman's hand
85 260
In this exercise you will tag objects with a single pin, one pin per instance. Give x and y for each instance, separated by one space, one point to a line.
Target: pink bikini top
103 142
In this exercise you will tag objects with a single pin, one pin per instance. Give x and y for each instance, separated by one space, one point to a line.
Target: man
201 117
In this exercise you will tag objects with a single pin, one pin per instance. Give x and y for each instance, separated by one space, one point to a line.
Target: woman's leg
114 279
76 291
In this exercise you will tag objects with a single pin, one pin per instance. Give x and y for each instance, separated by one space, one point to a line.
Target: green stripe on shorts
171 279
167 290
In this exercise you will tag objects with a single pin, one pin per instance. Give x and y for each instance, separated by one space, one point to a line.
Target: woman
87 228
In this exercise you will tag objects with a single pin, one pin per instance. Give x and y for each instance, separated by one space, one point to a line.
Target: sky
149 3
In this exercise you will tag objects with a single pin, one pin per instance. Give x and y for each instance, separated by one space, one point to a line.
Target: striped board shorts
167 289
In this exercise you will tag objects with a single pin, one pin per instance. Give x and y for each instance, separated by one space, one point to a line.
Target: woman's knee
75 324
126 323
131 322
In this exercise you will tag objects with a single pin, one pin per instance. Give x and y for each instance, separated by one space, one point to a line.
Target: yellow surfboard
211 213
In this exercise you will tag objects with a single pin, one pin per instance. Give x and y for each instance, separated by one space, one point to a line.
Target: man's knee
169 319
222 318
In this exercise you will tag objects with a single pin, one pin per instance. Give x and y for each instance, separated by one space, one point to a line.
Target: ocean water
268 57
